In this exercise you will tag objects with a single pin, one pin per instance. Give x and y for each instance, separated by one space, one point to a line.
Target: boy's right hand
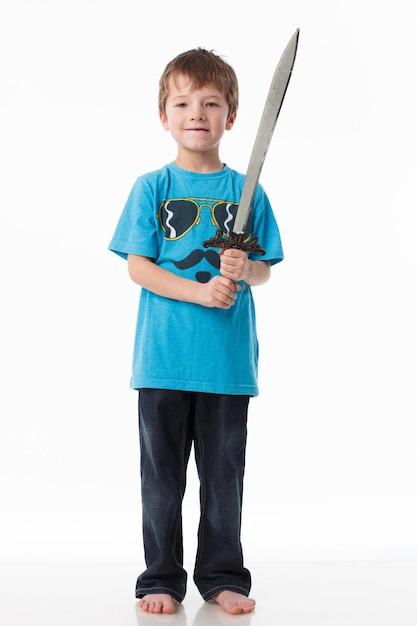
219 292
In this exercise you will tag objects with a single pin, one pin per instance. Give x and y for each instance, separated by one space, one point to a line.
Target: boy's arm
219 292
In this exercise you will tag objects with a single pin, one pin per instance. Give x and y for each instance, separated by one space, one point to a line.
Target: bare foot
157 603
234 603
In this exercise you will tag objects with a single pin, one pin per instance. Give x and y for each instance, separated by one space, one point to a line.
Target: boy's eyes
182 105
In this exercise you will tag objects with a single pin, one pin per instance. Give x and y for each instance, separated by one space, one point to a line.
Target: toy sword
277 90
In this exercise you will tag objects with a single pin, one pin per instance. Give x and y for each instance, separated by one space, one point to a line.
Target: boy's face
196 118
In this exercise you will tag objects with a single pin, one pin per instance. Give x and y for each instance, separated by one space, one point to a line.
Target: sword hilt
233 240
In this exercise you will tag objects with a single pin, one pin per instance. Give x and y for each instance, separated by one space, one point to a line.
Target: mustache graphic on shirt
196 256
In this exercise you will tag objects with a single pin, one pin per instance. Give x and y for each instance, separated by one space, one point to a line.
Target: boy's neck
201 163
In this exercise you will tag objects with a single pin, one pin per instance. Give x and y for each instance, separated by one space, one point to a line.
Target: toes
236 606
157 605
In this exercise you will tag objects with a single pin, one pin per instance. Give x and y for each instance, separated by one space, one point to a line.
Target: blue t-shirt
181 345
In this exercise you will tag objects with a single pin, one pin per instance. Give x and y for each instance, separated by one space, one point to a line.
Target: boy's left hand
234 263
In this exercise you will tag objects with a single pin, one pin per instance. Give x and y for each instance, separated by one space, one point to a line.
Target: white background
332 452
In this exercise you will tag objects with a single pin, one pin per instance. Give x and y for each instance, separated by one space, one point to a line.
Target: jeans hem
216 590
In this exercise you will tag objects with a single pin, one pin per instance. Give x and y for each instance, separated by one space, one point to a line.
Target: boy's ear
231 120
164 121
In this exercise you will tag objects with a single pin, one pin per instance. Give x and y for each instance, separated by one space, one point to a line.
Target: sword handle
233 240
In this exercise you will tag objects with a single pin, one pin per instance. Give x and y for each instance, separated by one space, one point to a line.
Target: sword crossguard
233 240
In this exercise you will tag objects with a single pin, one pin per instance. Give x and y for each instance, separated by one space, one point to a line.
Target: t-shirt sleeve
265 227
136 230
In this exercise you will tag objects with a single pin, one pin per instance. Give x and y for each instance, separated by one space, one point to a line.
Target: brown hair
201 67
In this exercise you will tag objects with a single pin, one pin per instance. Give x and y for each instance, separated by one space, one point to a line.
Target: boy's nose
198 113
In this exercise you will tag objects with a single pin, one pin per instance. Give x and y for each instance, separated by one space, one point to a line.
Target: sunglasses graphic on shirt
177 217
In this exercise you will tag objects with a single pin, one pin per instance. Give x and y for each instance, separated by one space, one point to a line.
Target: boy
196 351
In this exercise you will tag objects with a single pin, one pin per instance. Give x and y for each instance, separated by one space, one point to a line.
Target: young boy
196 352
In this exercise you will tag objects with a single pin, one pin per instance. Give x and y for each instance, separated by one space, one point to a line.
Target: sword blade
266 129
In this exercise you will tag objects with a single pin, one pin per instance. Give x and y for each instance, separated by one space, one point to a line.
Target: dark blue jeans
169 423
